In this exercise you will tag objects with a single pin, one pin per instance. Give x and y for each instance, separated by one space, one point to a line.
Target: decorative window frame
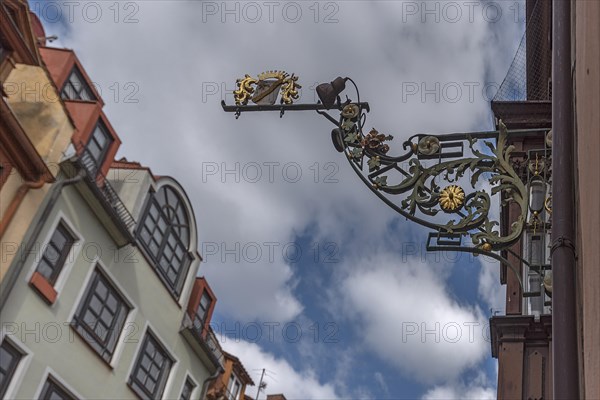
189 376
169 383
123 339
22 366
50 373
188 280
65 271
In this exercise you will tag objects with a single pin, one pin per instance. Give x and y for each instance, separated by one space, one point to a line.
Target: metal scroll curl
464 207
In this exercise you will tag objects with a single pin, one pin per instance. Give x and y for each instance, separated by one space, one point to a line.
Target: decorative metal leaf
374 163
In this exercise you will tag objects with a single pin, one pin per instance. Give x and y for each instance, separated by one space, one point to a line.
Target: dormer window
233 388
202 311
76 88
164 233
97 147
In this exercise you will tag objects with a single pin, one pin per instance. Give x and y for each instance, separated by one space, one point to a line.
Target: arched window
164 232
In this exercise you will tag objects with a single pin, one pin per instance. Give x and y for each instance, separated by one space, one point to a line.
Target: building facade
35 129
101 297
523 339
232 382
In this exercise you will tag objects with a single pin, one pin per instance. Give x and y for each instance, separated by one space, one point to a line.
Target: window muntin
55 254
76 88
101 315
97 147
151 370
9 360
164 234
53 391
188 388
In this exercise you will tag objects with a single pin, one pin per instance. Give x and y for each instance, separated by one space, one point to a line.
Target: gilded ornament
374 140
350 111
244 90
428 145
548 204
289 91
452 198
267 88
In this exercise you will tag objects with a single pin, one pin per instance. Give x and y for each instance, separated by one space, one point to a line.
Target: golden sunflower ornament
452 198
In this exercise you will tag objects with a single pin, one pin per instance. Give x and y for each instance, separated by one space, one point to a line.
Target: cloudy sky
318 281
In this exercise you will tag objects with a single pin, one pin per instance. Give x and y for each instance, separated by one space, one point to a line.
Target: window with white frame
10 356
164 233
52 390
101 315
151 369
56 253
188 388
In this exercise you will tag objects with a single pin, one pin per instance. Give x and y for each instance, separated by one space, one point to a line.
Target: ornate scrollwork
409 176
245 90
266 88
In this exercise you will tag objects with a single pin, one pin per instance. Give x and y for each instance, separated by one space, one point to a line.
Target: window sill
43 287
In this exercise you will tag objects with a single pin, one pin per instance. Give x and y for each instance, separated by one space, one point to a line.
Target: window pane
52 253
45 269
100 137
60 237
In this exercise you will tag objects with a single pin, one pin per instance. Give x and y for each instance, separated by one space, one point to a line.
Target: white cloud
178 128
448 392
408 317
382 384
490 289
173 56
476 389
282 377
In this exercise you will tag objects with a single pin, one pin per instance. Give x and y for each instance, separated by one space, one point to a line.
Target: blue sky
292 240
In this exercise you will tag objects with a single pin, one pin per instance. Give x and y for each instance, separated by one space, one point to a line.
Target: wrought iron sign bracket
442 181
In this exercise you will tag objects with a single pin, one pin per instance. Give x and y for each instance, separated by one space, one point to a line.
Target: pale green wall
70 357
